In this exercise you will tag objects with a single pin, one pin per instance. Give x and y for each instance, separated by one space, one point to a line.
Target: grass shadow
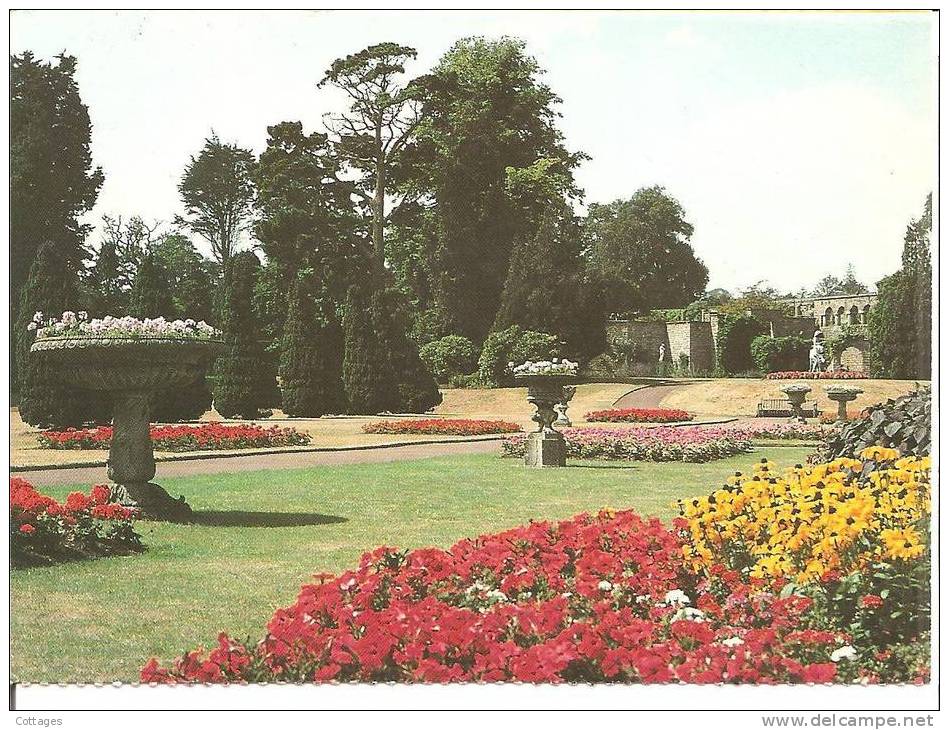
240 518
601 465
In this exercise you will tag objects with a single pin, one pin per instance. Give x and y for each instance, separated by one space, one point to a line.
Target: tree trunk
378 216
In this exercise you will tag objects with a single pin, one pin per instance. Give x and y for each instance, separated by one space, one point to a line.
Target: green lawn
268 532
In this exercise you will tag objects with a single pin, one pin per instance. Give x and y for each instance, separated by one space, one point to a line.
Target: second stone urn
842 395
131 370
546 446
796 394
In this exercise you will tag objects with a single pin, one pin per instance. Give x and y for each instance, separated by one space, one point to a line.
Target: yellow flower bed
815 521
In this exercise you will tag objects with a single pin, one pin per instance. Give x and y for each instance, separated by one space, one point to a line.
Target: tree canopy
217 193
638 249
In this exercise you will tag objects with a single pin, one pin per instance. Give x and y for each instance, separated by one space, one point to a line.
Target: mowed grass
268 532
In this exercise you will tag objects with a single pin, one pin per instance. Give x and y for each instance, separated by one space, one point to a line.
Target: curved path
649 396
262 462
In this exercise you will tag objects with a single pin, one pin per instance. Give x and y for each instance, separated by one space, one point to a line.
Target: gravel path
649 397
261 462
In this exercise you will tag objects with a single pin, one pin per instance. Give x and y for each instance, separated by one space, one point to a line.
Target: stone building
692 346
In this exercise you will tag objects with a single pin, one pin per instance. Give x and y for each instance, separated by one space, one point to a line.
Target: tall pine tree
244 382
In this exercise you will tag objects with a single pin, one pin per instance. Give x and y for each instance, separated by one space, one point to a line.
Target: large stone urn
131 370
796 394
545 446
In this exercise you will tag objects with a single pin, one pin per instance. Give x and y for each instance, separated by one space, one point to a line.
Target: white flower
605 585
844 652
689 614
676 597
31 326
733 641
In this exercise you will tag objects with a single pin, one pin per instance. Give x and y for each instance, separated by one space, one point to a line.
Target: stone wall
638 342
694 341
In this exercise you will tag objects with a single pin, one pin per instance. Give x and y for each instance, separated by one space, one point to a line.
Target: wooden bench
781 408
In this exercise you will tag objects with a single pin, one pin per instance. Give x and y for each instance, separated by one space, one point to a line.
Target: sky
796 142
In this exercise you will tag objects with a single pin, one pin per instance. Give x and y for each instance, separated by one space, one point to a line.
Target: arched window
840 316
865 316
854 315
828 318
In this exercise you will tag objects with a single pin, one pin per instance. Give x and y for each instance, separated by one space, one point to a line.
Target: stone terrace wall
694 340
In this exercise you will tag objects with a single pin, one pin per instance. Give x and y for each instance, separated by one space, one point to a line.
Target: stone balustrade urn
546 446
131 369
842 394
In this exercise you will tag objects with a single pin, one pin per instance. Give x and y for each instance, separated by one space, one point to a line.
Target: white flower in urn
71 324
554 366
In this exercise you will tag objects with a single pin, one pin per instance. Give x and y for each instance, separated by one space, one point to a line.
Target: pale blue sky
797 142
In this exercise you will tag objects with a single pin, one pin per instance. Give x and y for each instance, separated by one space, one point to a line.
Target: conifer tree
44 400
311 356
367 373
151 297
244 381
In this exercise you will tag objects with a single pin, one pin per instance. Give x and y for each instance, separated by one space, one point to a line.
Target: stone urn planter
796 395
131 369
545 446
842 395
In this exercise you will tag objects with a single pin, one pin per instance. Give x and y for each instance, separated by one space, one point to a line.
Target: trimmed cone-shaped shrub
151 297
417 390
43 398
311 359
368 376
243 375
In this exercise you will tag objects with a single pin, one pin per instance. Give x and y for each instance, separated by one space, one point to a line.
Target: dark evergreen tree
244 382
151 291
103 287
544 290
44 400
311 357
151 297
52 181
901 322
368 376
415 385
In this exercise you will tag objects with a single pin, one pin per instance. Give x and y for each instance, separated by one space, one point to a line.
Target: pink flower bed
663 443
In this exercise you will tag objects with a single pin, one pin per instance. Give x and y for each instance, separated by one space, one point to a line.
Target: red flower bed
638 415
605 598
441 426
86 525
806 375
206 437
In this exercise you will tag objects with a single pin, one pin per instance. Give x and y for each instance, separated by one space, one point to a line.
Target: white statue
817 358
662 352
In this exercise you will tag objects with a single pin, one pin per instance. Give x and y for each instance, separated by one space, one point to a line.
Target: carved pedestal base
545 448
153 501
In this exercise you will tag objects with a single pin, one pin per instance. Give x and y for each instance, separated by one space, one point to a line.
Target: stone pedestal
545 449
131 464
842 396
